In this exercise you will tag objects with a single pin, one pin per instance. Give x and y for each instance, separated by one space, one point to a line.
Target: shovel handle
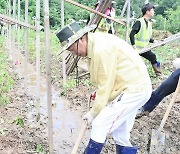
75 148
78 140
169 106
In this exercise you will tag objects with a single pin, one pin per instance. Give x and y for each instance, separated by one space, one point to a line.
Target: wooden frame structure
11 37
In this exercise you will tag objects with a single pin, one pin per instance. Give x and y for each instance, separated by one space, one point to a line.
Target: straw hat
71 33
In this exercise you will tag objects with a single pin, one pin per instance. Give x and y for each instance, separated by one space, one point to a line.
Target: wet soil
18 140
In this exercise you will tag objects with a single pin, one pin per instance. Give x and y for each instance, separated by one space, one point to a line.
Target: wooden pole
26 47
63 55
38 74
19 15
123 10
162 42
10 20
127 20
94 11
48 75
14 31
10 29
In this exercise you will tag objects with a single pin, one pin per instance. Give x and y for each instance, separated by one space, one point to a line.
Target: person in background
122 84
105 25
166 88
140 36
111 12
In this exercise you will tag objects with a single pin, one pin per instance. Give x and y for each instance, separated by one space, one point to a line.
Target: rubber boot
157 68
93 147
125 150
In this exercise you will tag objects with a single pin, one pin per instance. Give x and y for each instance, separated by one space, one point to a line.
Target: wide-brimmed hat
71 33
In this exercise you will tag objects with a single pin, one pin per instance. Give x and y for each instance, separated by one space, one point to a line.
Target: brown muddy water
66 122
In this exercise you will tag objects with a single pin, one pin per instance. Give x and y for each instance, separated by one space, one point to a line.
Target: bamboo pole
10 29
26 47
48 75
6 31
162 42
124 9
18 58
14 21
38 74
63 55
14 32
127 20
94 11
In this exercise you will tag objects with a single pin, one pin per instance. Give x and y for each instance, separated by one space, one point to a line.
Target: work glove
93 96
176 63
88 117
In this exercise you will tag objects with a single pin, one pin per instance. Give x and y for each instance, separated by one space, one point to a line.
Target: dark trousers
167 87
150 56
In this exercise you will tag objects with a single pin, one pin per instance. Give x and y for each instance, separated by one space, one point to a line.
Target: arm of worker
152 40
105 74
135 29
105 81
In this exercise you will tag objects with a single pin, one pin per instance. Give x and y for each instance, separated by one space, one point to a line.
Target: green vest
143 36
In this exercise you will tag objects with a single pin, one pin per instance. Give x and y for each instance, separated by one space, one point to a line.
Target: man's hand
176 63
155 41
88 117
93 96
134 46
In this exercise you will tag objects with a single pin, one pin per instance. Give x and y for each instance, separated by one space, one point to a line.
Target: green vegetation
6 81
167 12
19 121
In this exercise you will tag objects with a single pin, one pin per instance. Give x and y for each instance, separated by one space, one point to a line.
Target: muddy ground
17 140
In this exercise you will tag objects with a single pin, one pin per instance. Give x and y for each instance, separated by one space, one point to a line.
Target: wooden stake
38 74
123 10
18 58
14 32
26 47
48 75
63 54
127 21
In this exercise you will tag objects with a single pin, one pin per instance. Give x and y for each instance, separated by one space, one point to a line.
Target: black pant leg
150 56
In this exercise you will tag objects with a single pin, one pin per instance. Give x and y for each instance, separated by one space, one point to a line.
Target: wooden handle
75 148
169 107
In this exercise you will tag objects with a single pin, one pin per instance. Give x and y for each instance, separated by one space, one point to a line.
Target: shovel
83 128
158 137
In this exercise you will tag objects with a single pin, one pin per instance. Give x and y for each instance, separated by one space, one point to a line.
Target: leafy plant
39 149
19 121
6 81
